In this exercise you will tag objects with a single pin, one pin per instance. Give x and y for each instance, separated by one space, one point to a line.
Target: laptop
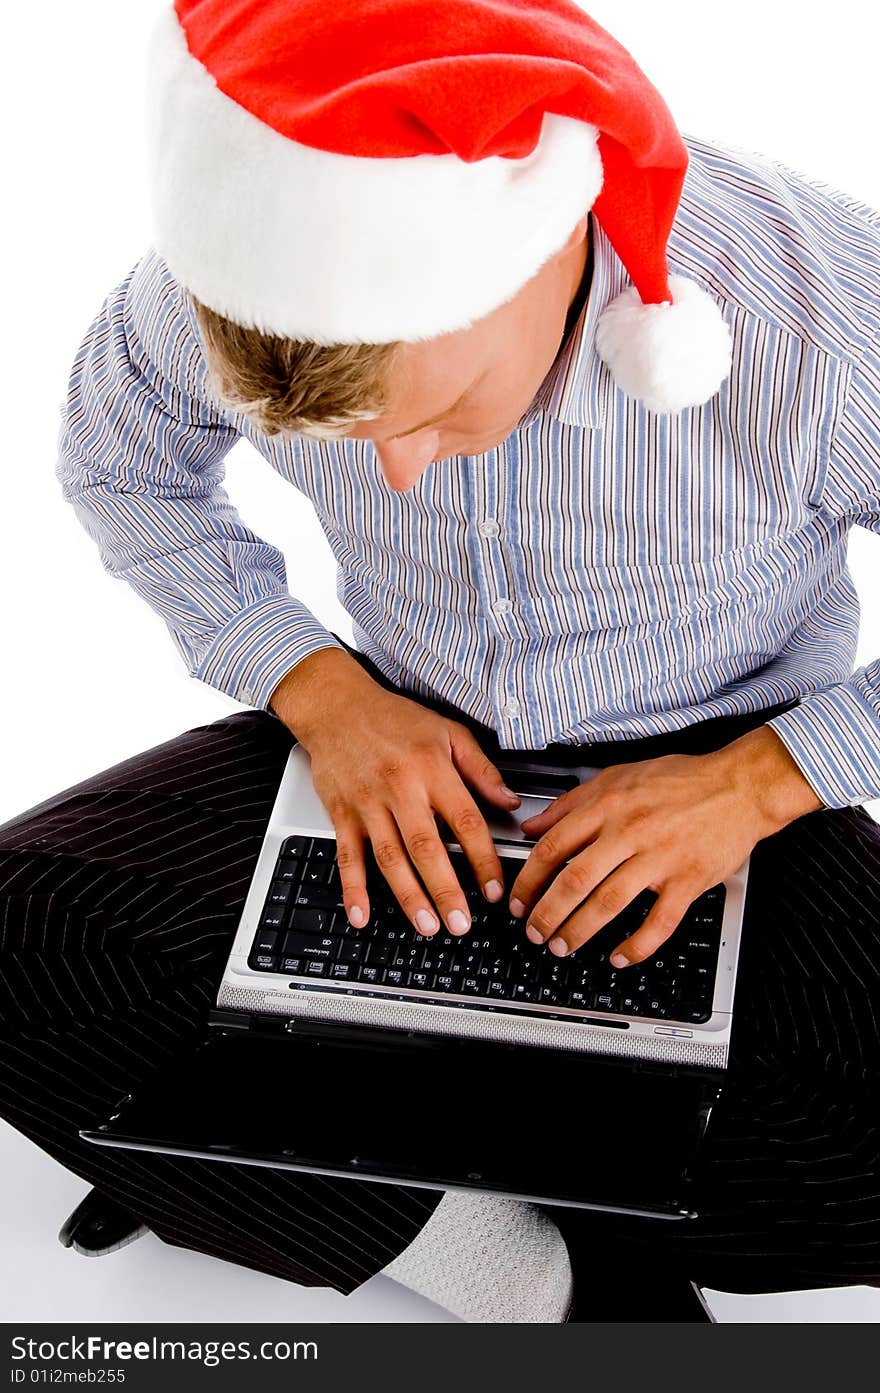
478 1062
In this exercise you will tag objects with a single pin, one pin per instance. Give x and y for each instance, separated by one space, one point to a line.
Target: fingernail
558 946
356 916
618 960
517 908
458 922
426 922
533 935
509 791
493 889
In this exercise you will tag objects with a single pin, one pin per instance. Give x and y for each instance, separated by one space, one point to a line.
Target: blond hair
290 385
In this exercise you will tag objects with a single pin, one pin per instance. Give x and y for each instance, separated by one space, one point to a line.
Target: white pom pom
669 356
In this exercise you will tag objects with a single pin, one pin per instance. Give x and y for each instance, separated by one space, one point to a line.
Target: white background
90 675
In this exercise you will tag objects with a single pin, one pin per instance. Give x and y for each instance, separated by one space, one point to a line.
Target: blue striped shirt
606 572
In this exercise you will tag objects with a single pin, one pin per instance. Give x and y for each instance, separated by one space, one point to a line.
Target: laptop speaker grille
481 1025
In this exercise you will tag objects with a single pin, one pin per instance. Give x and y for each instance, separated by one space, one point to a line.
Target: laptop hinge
243 1020
672 1069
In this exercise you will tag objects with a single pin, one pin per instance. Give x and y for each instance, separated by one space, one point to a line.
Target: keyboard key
606 1001
690 1011
273 918
395 934
351 951
424 980
288 872
323 849
317 968
266 962
316 874
370 974
315 897
316 921
341 971
266 940
280 892
632 1006
292 965
523 992
380 953
499 967
296 846
445 983
310 946
700 979
394 976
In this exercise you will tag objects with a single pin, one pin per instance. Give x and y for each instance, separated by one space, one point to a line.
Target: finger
569 836
664 918
588 885
470 830
478 770
394 863
609 897
580 797
352 871
555 809
424 846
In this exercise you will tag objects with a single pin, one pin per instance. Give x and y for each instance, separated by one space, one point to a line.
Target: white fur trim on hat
335 248
670 356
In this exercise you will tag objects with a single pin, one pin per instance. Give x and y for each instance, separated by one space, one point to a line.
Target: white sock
487 1259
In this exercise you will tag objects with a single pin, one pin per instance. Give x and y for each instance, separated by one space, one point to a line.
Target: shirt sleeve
141 454
833 735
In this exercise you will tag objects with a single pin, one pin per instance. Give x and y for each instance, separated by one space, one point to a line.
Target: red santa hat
372 170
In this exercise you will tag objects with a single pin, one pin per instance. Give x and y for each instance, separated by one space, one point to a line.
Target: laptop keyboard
304 933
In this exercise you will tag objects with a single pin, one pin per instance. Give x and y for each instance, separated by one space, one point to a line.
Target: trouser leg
119 899
788 1185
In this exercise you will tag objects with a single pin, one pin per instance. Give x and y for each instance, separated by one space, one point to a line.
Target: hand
383 766
675 825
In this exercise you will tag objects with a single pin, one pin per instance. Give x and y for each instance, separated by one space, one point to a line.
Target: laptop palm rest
538 1124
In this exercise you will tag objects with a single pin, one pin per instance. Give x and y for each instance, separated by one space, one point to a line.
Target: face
463 393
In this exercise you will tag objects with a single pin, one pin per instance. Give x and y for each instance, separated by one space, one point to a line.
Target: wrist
760 764
305 698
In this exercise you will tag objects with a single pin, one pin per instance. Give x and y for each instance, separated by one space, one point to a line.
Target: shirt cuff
834 738
259 645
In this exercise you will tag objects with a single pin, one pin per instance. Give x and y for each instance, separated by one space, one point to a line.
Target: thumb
478 770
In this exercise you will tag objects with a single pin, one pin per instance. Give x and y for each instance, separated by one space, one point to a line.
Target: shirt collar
574 390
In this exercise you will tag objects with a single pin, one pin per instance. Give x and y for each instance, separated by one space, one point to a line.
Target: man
395 251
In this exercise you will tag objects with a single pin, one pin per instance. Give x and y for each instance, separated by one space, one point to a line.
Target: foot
99 1225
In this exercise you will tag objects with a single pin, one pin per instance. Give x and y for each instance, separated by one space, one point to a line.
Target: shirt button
511 708
502 606
489 528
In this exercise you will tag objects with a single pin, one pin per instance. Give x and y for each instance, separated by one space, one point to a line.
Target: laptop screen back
537 1123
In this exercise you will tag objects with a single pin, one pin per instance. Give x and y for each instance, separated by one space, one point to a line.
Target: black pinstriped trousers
119 898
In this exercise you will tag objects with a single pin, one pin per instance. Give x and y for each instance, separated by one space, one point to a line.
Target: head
418 402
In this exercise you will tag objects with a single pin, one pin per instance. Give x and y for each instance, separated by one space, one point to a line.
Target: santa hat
364 171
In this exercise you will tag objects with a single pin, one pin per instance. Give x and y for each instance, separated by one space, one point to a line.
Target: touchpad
537 788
